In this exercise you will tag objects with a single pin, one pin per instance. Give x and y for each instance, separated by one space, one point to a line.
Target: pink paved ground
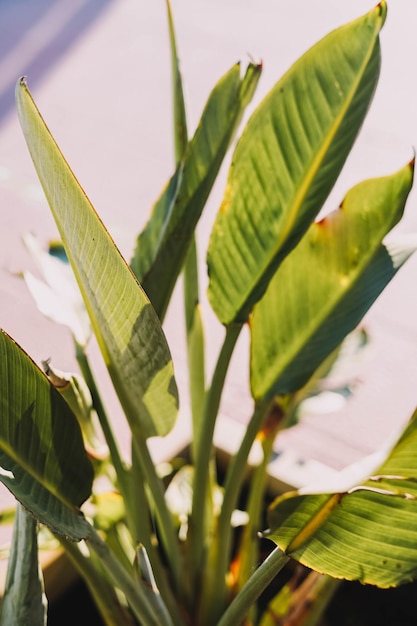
99 71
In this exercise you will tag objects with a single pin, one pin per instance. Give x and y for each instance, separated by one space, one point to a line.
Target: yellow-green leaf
326 284
163 245
367 531
287 161
127 329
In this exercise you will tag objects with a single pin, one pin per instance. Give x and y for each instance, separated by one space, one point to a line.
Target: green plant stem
98 405
215 589
205 451
146 610
194 332
236 471
122 475
119 540
144 533
103 593
250 592
249 547
169 538
195 345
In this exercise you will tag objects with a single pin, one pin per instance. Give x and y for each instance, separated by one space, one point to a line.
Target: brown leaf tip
412 163
382 8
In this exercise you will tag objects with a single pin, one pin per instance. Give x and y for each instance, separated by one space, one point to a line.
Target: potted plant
300 285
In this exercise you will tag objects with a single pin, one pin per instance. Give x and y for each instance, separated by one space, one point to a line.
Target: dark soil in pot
359 605
74 607
353 605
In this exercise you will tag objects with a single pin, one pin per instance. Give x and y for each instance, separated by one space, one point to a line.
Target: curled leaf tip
22 81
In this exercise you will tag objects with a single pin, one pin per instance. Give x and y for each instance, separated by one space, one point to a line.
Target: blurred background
99 71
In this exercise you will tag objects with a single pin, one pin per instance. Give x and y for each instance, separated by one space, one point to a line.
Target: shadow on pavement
34 35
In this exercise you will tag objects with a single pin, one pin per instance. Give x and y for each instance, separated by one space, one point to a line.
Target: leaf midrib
304 187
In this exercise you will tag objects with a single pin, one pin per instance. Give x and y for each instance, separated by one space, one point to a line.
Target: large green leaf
163 245
42 456
126 326
287 161
24 600
326 284
365 531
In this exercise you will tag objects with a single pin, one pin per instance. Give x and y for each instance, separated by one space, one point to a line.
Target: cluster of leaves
302 286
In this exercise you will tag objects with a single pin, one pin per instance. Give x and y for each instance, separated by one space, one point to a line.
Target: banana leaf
365 530
42 457
163 245
326 284
287 160
128 331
